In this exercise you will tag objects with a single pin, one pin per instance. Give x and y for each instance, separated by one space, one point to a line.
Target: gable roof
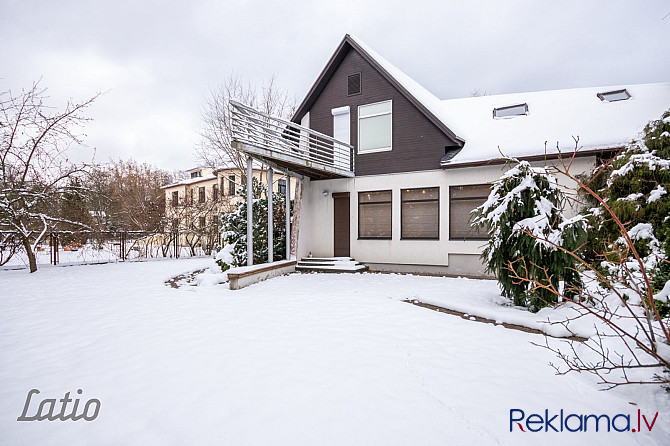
427 103
553 117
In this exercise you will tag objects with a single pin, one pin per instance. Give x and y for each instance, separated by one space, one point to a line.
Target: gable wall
417 143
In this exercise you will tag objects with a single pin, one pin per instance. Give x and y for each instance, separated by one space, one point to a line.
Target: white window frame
341 124
390 112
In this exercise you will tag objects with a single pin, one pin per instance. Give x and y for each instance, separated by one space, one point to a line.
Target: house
418 165
194 205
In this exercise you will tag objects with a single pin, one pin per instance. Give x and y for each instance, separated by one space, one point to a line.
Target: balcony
284 144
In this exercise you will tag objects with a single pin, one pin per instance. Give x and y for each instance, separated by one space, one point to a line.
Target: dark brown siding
341 225
417 143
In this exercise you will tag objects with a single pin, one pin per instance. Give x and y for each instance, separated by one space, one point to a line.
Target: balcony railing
290 144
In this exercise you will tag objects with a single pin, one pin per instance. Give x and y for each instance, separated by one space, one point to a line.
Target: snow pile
642 231
226 254
657 193
631 197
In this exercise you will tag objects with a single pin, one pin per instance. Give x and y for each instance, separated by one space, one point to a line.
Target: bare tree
34 167
214 149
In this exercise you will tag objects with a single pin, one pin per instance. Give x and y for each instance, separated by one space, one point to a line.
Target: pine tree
636 186
527 228
234 227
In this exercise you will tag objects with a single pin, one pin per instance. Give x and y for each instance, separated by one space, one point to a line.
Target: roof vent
354 84
510 111
615 95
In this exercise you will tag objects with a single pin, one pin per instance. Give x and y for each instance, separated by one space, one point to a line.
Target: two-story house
193 206
419 165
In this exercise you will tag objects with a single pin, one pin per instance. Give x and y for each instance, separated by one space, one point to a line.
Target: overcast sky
158 60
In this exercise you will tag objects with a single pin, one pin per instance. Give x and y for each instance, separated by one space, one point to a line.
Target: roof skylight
510 111
615 95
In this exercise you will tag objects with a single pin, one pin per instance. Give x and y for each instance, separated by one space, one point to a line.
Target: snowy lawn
302 359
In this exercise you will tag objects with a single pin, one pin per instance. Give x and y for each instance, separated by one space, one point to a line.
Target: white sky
158 60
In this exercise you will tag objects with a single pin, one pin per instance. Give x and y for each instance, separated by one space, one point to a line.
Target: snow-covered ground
302 359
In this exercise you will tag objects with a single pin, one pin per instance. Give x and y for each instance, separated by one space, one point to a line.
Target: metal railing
258 129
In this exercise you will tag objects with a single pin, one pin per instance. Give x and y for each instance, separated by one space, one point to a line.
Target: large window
462 201
374 215
281 186
375 127
175 199
420 213
201 194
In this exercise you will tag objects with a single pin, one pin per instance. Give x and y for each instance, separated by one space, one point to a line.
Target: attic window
510 111
613 96
354 84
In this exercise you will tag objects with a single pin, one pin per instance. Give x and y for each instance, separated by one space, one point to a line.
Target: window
202 222
354 84
196 174
375 127
613 96
341 124
175 199
374 215
215 192
462 201
510 111
192 195
201 194
281 186
231 185
420 213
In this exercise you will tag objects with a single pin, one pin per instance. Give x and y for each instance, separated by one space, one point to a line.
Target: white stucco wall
437 256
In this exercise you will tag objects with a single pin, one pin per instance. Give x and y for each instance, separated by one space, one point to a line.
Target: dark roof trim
336 59
549 156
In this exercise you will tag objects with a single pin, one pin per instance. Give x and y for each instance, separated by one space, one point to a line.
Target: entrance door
341 224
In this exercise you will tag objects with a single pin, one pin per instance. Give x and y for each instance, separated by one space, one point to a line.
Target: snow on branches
34 166
526 225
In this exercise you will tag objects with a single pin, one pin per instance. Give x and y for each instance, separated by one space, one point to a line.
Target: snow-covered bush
636 186
234 229
529 235
624 265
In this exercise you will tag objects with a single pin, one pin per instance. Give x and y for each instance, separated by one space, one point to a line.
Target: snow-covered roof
555 117
190 181
420 93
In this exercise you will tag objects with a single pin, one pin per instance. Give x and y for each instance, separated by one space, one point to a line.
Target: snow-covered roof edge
419 96
186 181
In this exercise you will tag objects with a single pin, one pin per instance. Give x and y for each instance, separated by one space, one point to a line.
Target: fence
108 246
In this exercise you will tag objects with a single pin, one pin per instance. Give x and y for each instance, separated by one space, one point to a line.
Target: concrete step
330 264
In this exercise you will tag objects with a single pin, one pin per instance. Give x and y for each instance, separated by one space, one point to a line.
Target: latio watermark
47 409
572 422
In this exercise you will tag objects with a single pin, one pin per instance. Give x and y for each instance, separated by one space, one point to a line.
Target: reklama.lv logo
573 422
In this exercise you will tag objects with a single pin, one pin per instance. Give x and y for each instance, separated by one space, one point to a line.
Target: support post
250 213
270 222
288 215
